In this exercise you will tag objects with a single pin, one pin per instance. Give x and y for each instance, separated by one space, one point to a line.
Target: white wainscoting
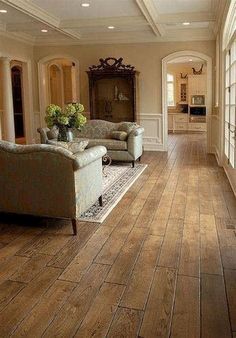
153 135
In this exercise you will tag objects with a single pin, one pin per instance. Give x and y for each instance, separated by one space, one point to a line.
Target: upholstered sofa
100 132
44 180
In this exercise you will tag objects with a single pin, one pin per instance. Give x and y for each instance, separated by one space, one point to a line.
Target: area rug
117 179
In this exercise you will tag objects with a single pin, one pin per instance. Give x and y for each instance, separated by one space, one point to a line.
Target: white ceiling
68 22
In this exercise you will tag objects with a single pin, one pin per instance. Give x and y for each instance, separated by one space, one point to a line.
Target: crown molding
150 13
21 37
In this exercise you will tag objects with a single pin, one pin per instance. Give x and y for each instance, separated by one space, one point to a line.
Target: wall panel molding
153 136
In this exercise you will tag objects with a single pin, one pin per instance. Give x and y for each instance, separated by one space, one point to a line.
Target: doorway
187 94
17 93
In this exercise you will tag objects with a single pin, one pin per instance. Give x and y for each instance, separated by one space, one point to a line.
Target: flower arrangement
69 117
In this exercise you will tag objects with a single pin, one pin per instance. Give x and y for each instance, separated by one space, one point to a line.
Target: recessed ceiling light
190 60
110 27
85 4
186 23
44 30
3 11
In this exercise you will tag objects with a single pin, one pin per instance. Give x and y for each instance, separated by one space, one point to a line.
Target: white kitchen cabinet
196 85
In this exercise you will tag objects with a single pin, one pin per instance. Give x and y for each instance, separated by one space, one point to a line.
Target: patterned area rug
116 181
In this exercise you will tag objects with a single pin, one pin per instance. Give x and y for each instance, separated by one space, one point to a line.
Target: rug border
144 166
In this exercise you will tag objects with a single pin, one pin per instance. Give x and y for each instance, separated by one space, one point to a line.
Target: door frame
27 94
165 60
44 84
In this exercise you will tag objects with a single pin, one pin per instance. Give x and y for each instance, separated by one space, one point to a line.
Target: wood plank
121 269
126 323
138 287
215 320
210 251
147 213
79 302
189 263
31 268
18 309
186 317
230 281
97 321
157 317
85 257
14 246
8 290
112 247
158 226
170 251
10 266
227 241
44 312
70 250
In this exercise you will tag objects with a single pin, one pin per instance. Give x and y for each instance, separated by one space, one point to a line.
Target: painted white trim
165 60
27 94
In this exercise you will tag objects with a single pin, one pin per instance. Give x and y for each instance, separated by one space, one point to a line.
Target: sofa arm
136 132
88 156
43 135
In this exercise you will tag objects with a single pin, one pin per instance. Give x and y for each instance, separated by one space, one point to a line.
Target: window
230 86
170 90
230 104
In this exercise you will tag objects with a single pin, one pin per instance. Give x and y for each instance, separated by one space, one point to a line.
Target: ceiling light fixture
110 27
190 60
85 4
186 23
3 11
44 30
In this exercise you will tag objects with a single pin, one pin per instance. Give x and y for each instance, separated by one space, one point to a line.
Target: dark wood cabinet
113 91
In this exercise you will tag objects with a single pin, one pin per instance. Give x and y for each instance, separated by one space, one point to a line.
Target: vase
69 135
62 133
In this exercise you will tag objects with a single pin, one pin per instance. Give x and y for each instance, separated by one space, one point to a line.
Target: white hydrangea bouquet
70 117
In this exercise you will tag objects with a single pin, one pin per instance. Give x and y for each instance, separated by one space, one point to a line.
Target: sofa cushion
119 135
127 127
97 129
74 147
108 143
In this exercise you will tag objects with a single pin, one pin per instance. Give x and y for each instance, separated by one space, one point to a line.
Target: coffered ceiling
68 22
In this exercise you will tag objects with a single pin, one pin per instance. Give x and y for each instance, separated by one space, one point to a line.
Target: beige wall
145 57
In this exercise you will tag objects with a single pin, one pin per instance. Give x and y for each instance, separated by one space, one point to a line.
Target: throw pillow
127 127
52 133
119 135
76 147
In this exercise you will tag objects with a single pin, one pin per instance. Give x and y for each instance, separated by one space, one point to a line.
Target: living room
120 221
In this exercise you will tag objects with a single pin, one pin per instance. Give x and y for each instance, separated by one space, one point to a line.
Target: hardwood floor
163 264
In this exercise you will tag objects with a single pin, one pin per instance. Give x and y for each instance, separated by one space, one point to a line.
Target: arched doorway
208 103
58 81
18 106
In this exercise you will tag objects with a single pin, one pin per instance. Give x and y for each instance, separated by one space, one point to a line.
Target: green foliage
71 116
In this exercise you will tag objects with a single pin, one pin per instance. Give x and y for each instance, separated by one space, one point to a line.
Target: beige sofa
100 132
44 180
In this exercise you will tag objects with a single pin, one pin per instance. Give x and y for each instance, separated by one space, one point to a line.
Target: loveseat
124 140
44 180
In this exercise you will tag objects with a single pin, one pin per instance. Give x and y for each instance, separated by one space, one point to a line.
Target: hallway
162 264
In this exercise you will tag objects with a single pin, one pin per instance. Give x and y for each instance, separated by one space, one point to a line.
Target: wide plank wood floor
163 263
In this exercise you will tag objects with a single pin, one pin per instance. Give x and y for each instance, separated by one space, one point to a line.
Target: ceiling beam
189 17
149 11
40 15
99 22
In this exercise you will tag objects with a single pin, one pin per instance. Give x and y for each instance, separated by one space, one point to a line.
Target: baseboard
215 151
230 180
153 147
